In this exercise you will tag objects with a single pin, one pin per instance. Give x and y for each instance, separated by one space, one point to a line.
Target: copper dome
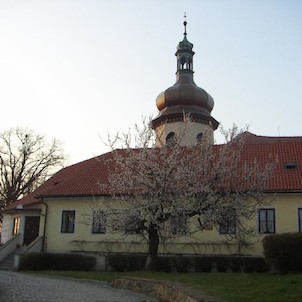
185 93
185 96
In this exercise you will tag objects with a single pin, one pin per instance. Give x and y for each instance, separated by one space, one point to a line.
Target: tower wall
189 134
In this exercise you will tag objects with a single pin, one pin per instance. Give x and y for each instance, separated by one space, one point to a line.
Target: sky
78 70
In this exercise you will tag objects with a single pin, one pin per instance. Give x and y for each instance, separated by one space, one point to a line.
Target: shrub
180 264
121 263
164 264
44 261
184 264
231 263
235 264
283 252
126 263
254 265
221 263
35 261
203 264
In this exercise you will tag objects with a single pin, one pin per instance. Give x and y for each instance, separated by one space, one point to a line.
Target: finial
185 25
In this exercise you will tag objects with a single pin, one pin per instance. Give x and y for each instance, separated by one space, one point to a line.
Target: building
50 218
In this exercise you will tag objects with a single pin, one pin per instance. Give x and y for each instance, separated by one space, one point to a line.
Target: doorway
31 229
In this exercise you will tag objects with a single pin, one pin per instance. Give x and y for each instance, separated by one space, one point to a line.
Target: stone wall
163 290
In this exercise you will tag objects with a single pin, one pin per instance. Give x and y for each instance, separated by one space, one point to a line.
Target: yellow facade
205 242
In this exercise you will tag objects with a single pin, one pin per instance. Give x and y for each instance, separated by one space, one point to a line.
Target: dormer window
290 166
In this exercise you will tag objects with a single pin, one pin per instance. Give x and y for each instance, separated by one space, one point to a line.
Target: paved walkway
31 288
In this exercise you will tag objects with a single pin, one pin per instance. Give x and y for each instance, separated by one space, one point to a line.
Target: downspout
45 220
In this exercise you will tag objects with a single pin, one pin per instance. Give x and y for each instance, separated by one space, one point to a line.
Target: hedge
283 252
51 261
133 262
125 263
121 263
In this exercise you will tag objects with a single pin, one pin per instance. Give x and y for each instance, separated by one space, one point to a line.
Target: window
290 166
16 226
300 219
266 222
134 224
179 225
171 139
227 221
182 62
99 222
68 218
199 138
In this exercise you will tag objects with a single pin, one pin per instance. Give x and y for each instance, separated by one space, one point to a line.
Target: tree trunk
152 250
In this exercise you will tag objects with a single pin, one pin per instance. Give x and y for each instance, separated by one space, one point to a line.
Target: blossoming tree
165 186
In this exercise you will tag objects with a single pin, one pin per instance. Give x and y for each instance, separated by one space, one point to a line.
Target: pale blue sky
77 69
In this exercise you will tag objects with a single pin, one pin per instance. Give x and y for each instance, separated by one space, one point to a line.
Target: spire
185 25
185 55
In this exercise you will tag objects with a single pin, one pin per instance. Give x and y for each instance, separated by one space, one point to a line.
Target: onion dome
184 96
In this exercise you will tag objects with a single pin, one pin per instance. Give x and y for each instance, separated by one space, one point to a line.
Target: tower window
170 139
182 62
199 138
190 65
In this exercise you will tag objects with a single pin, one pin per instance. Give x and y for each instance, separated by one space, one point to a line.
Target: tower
184 98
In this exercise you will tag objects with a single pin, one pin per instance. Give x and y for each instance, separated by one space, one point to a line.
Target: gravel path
30 288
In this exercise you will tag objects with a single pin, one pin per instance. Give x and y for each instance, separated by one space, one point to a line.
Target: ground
24 287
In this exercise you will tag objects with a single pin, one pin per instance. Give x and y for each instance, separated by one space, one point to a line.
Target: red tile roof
251 138
289 155
82 179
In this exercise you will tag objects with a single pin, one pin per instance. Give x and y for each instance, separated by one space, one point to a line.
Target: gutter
45 220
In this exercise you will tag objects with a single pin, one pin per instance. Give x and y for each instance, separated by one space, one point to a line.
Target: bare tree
232 133
27 159
170 190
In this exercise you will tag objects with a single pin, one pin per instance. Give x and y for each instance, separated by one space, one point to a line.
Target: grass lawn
228 286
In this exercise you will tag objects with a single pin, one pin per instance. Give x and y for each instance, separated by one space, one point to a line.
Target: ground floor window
179 225
16 226
300 219
266 221
67 225
99 222
227 221
134 223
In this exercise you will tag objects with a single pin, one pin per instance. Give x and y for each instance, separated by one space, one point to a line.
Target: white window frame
16 225
274 221
300 219
99 222
66 230
228 225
